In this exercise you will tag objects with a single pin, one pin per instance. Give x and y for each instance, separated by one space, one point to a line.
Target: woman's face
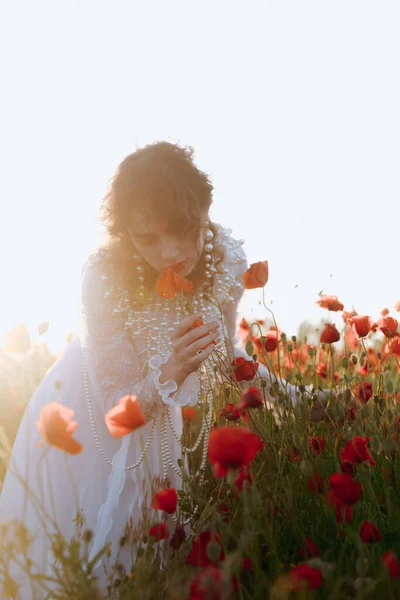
161 249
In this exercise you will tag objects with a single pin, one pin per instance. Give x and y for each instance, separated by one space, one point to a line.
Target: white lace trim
187 395
168 387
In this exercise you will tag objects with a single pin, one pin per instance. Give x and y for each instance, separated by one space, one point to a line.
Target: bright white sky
292 107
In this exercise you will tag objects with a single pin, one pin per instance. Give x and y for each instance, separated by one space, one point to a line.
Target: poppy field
298 499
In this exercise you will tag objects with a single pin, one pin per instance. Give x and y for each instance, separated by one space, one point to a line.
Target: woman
139 338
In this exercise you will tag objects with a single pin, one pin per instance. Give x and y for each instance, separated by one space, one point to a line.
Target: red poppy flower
244 370
198 555
232 448
178 537
343 511
271 340
348 467
362 324
397 306
188 413
316 444
364 392
125 416
208 584
388 326
369 533
256 275
159 532
321 370
356 451
394 346
56 426
351 339
345 488
166 500
244 477
231 412
251 398
390 561
244 324
385 312
346 314
330 334
169 283
304 574
309 549
329 302
316 483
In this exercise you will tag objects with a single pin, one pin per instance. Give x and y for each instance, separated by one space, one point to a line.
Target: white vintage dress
114 348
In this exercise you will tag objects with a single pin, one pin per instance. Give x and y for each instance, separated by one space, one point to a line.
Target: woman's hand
191 345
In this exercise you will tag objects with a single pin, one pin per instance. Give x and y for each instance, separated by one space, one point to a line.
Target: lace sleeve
111 359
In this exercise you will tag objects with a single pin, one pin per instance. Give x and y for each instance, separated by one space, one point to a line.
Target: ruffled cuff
188 394
168 387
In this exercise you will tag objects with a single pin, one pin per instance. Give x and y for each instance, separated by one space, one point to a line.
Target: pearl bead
137 258
207 257
139 268
208 274
141 295
208 247
208 235
141 278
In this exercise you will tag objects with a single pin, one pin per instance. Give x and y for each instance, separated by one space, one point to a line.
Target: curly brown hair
162 181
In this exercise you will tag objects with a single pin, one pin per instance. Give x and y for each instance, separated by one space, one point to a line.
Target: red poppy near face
369 533
232 448
329 335
397 306
345 488
244 370
329 302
